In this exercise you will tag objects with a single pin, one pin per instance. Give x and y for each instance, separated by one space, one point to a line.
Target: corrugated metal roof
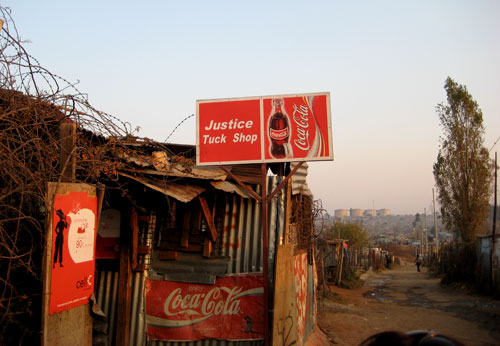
163 166
183 193
185 172
230 187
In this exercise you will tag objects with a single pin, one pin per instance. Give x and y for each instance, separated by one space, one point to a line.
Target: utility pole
435 222
425 230
494 224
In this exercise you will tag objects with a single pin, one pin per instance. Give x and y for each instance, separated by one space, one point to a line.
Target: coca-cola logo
301 119
214 302
278 134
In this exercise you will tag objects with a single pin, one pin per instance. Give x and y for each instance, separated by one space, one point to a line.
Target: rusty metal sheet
182 193
247 173
299 184
230 187
162 166
139 160
185 172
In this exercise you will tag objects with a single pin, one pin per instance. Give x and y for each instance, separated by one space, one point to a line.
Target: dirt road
403 299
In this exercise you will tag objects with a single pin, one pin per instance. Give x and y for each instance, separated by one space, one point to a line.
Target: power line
179 124
494 143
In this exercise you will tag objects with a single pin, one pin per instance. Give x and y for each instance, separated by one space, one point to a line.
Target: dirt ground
403 299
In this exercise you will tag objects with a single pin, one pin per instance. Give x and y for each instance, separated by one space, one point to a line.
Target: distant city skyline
384 64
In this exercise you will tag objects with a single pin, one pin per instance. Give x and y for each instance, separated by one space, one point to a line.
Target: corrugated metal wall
107 293
241 241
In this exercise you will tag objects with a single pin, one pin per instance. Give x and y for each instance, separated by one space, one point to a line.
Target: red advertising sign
74 232
264 129
108 235
232 309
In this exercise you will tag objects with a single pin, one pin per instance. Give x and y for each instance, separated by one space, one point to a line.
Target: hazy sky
384 63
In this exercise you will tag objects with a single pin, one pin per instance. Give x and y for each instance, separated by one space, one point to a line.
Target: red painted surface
74 234
243 130
232 309
300 273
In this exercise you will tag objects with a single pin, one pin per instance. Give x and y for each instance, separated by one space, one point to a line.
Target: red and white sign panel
74 235
232 309
264 129
108 235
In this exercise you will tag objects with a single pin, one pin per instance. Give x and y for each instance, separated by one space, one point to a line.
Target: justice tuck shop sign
264 129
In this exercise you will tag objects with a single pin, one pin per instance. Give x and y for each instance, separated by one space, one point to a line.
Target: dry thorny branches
33 103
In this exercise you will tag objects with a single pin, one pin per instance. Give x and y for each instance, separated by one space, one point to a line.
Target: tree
463 170
357 236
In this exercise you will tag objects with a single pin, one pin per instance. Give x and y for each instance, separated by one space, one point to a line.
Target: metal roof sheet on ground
182 193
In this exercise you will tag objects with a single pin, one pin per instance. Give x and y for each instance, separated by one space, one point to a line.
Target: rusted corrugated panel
299 184
106 297
183 172
137 313
241 236
230 187
139 160
248 173
183 193
107 294
163 166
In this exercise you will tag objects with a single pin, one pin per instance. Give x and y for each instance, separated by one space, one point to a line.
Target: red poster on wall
232 309
279 128
73 238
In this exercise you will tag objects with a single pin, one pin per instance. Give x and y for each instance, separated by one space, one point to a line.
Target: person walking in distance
58 251
418 262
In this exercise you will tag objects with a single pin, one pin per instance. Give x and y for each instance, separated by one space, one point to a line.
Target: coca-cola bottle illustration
279 131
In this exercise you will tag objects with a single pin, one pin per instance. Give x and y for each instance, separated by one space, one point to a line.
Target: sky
383 62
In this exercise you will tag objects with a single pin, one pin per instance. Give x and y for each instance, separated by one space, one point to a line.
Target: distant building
383 212
370 212
340 213
356 212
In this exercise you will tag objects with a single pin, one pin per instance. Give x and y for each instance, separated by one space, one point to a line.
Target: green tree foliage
463 170
354 232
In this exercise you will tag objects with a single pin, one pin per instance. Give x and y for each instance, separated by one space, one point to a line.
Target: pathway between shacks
403 299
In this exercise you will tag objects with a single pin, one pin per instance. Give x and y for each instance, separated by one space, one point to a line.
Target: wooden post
70 327
494 225
67 159
288 212
265 249
341 259
124 280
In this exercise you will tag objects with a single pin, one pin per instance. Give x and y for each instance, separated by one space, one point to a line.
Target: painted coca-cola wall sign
232 309
264 129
